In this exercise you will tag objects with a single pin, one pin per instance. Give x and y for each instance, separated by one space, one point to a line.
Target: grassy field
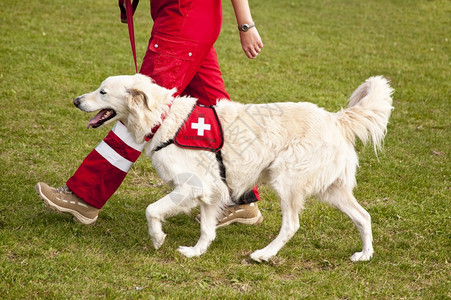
315 50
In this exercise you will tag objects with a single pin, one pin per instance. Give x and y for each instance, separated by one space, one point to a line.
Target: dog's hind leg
291 206
208 231
165 207
342 198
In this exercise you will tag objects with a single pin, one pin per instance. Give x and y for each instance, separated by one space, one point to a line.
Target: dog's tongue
97 118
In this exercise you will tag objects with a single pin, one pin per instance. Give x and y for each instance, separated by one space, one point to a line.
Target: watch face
244 27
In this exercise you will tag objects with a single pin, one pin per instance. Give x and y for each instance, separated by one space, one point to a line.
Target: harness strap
247 197
165 144
222 169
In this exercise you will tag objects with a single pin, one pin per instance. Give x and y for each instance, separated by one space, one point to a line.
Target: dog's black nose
77 101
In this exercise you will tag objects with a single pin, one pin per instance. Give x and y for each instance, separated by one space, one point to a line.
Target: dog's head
133 99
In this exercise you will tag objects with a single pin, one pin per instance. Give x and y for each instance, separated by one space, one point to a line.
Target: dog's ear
138 107
138 98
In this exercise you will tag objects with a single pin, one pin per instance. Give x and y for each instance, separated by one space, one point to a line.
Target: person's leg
96 179
207 84
104 169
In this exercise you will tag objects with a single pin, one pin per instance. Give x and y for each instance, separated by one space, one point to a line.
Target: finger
253 53
257 50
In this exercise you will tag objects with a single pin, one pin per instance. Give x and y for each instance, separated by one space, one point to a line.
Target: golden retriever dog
299 149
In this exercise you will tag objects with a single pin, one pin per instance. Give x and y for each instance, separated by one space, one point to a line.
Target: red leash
129 11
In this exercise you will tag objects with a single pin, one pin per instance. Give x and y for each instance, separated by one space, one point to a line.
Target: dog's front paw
158 240
361 256
261 255
190 251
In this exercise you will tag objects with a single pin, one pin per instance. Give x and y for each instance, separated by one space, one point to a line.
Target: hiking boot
245 214
63 200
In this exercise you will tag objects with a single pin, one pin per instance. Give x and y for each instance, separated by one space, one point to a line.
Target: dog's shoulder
228 110
179 111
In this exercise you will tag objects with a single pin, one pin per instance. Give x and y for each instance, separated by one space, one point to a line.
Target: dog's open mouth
103 116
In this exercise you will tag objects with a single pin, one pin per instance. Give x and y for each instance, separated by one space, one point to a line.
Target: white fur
299 149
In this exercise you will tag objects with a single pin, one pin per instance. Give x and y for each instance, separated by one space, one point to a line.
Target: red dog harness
200 131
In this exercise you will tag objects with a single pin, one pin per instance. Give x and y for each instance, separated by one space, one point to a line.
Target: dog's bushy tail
368 112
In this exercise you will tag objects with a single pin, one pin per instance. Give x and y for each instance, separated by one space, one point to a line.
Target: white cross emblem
200 126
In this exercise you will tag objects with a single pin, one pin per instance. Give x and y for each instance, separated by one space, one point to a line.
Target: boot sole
79 218
248 221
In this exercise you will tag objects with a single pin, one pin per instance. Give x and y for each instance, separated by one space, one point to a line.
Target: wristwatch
246 27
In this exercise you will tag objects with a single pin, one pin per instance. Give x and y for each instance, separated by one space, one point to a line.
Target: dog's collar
154 129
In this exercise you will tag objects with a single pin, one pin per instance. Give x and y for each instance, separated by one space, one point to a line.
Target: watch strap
245 27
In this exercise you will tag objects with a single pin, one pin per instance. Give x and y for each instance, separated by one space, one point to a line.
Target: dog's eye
102 92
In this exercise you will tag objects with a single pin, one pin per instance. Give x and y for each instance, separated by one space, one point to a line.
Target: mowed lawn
315 50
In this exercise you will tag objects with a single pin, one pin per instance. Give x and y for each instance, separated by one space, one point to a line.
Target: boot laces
64 189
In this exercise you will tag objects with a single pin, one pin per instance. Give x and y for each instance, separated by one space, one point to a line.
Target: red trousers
181 55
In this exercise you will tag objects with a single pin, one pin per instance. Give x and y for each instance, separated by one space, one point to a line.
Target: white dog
299 149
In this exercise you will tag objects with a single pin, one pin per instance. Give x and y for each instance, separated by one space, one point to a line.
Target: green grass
315 50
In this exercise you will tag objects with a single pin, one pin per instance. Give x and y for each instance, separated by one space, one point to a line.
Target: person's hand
251 42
